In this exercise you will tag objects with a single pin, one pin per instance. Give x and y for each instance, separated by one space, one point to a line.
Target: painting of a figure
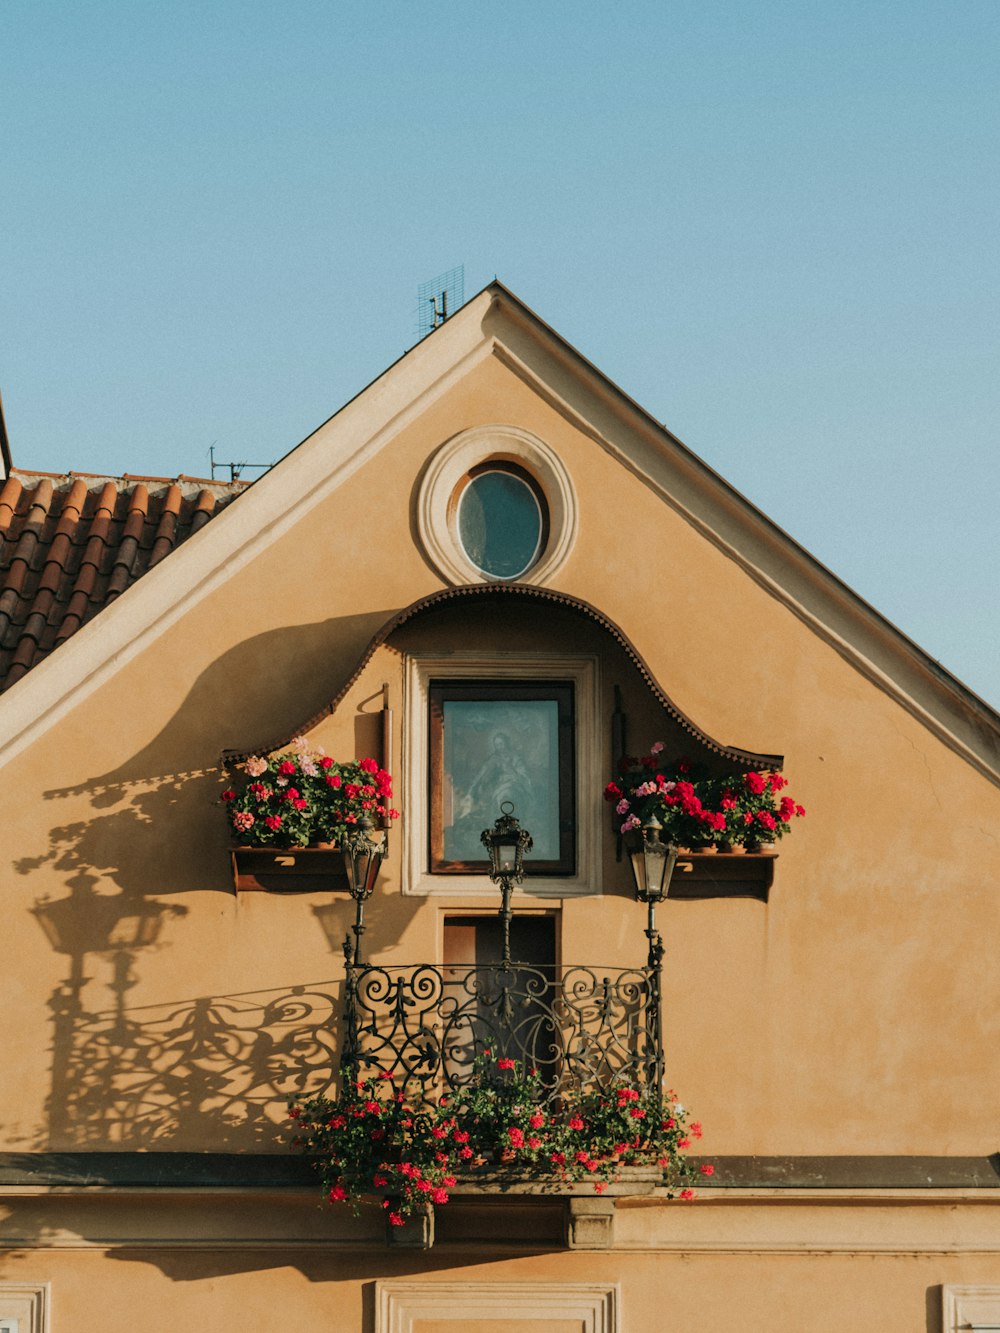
489 751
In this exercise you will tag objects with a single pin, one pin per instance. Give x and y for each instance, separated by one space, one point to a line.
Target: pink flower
243 820
255 766
656 748
622 808
630 823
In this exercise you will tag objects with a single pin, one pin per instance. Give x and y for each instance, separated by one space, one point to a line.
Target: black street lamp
362 849
506 842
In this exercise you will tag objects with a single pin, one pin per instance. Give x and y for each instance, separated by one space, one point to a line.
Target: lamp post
652 861
506 842
362 849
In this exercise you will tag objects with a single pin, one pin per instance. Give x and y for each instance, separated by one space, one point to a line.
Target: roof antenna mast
438 299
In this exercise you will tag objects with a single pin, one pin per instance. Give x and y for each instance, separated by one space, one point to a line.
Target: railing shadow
215 1069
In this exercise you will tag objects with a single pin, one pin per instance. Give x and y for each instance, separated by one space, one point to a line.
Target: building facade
488 524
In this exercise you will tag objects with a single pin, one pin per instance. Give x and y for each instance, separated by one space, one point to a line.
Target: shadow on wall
217 1070
162 802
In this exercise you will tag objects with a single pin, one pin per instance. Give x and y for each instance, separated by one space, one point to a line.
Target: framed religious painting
498 744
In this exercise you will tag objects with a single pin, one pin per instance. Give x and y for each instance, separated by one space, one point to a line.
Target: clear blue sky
774 224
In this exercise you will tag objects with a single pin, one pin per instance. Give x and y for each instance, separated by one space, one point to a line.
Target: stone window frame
584 671
27 1303
471 451
400 1303
969 1307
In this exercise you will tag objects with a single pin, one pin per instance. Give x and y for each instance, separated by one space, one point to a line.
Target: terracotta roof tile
71 544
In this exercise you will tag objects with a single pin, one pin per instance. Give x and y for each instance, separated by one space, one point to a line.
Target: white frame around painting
582 671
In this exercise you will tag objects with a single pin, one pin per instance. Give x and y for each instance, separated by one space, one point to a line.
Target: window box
723 875
288 869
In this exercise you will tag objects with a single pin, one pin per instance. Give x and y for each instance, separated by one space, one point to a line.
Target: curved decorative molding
746 759
454 460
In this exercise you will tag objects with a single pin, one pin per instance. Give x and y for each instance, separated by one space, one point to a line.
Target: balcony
583 1027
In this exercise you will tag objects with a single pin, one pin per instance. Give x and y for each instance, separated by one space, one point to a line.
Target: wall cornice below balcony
197 1170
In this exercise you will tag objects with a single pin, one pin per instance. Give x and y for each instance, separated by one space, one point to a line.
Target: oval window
501 523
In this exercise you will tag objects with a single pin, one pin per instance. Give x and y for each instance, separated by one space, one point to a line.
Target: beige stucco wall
99 1291
854 1013
814 1024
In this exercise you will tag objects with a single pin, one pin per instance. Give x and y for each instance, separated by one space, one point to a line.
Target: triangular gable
496 324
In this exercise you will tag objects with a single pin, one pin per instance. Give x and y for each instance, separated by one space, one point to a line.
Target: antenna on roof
439 298
235 469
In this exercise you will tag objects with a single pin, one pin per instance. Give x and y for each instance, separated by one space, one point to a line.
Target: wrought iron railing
581 1027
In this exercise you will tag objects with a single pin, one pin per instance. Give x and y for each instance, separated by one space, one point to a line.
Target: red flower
465 1153
612 791
396 1220
684 1143
707 1169
756 782
326 762
576 1123
439 1196
600 1186
558 1159
767 820
337 1194
368 766
228 795
686 1194
516 1137
286 768
637 1113
333 779
273 822
537 1120
505 1063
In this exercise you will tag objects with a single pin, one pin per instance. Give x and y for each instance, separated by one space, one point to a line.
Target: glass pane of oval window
500 524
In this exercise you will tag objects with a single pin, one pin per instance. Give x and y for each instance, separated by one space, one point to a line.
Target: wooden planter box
288 870
723 875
